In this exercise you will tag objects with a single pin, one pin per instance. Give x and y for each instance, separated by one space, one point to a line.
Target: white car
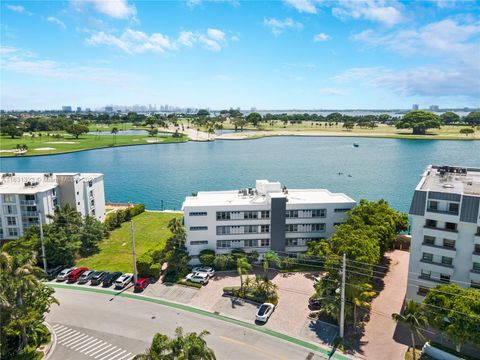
264 312
201 278
205 269
64 274
123 281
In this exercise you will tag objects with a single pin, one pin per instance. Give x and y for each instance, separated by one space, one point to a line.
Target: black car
110 279
98 277
315 303
53 272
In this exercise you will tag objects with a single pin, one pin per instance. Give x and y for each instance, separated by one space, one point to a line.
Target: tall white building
266 217
445 244
26 198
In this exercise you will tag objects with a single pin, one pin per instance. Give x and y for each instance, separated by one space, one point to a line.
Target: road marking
84 344
85 348
58 327
120 354
268 353
64 331
97 345
98 349
109 355
126 356
65 337
74 341
110 348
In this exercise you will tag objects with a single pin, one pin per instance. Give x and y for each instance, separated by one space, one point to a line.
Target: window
291 228
291 214
90 183
445 278
475 284
319 213
78 192
265 214
8 198
198 228
265 228
450 226
431 223
250 243
10 209
223 230
447 260
264 242
476 266
342 210
453 207
477 248
31 208
337 224
92 202
433 205
79 203
426 273
199 242
223 215
30 197
13 232
198 213
318 227
91 192
292 242
250 215
93 212
222 244
422 290
250 229
449 243
11 221
427 257
430 240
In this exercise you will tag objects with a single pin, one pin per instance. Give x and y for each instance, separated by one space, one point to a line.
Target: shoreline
265 134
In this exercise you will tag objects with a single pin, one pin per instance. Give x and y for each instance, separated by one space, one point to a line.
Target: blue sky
304 54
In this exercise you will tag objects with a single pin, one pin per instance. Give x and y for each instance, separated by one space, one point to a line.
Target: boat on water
356 145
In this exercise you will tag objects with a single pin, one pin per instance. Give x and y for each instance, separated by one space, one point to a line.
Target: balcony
432 279
438 267
439 246
440 232
28 202
29 213
446 212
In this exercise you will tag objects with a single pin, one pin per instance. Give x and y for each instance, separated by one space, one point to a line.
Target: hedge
189 283
237 292
207 257
116 218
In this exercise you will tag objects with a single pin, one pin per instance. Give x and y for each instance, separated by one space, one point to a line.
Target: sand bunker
61 142
44 149
7 151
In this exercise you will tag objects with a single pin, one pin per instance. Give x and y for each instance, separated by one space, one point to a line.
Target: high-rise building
445 246
27 198
434 107
108 109
79 109
266 217
415 107
67 109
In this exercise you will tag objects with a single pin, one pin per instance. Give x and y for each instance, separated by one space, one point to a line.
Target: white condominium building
26 198
445 244
266 217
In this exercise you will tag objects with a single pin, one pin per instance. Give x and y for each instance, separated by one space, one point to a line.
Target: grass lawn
116 251
50 145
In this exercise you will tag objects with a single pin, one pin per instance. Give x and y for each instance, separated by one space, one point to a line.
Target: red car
75 274
141 284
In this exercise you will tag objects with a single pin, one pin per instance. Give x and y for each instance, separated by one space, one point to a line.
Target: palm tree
361 298
414 317
242 268
191 346
269 257
114 133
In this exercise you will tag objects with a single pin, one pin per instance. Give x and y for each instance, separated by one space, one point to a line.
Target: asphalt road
102 327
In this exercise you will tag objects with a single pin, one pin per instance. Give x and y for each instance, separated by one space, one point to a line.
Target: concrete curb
53 343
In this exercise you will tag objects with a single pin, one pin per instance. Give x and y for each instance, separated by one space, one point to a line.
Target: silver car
64 274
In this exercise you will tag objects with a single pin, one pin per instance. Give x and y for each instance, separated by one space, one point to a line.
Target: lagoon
166 173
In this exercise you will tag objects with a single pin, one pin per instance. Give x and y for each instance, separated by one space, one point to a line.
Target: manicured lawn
50 145
116 251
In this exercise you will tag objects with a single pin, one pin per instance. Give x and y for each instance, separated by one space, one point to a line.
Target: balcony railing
446 212
437 280
437 263
28 202
439 246
29 213
441 229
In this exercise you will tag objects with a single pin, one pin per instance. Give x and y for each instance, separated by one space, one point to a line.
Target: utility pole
342 304
42 242
133 252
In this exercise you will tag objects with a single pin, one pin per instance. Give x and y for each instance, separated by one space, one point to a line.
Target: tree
77 129
467 131
419 121
348 125
254 118
91 234
269 257
449 118
190 346
473 118
12 130
454 311
114 134
175 253
203 113
153 132
239 122
334 117
413 316
242 268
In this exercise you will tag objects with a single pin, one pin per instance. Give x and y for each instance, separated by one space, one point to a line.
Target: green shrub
230 290
220 262
238 253
252 257
189 283
207 257
116 218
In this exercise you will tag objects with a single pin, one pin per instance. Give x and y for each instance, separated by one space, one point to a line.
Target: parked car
141 284
98 277
86 276
205 269
264 312
111 278
123 281
314 303
201 278
75 274
63 275
53 272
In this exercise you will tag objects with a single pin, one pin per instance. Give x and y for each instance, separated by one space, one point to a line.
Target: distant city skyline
291 54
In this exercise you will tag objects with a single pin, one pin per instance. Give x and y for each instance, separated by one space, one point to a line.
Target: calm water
125 132
379 168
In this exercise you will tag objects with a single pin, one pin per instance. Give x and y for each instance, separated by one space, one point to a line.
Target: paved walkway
379 332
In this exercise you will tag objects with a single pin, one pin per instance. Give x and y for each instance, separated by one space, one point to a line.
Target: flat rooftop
255 197
15 183
451 179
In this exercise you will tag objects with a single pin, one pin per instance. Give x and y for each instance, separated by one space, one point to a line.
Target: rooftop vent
448 186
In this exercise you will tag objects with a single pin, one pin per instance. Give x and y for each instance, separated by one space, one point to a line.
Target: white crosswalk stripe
89 345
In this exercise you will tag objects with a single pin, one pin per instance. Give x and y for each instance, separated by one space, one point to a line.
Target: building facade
445 245
267 217
27 198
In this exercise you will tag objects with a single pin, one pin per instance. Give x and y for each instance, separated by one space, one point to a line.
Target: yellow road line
238 342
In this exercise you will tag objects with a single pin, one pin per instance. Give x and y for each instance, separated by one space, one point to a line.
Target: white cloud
15 8
332 91
56 21
278 26
235 38
118 9
303 6
321 37
137 42
387 13
222 77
